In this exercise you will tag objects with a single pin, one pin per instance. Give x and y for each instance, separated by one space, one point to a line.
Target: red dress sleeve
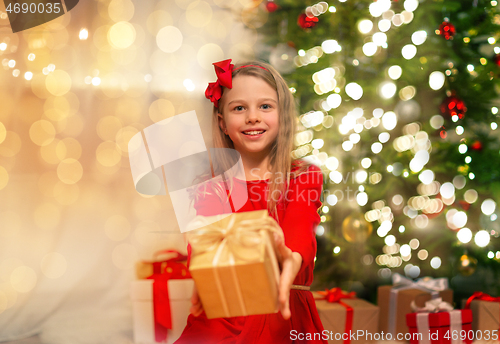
303 199
209 201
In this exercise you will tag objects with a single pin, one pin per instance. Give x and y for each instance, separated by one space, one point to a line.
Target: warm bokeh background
72 93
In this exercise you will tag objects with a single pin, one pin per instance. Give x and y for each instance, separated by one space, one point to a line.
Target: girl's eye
239 108
266 106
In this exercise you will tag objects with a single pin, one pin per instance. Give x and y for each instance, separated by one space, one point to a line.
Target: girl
254 113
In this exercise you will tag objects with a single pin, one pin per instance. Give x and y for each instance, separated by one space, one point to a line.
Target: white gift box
141 292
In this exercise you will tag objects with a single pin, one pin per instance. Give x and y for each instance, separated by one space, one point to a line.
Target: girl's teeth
254 132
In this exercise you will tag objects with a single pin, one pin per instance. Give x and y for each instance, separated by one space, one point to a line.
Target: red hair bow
224 71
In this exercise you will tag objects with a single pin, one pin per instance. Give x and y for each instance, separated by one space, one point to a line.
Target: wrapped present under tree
485 315
395 301
439 323
343 314
161 298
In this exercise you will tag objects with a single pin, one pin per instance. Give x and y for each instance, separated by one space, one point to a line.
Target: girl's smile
253 135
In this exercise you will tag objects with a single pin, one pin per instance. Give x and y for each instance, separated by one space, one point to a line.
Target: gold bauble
467 265
355 228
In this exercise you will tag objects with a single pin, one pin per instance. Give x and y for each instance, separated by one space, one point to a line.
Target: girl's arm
291 264
197 307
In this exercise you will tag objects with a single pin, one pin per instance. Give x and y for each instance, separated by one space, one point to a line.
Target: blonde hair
280 158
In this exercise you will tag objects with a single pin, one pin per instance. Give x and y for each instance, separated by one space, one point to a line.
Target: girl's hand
197 307
291 262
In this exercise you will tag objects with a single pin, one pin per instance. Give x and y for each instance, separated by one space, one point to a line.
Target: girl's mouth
254 132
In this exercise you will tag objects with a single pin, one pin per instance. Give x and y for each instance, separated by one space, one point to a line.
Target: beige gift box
333 316
485 316
141 293
234 264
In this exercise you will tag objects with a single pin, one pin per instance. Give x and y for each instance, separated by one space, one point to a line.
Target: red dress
298 217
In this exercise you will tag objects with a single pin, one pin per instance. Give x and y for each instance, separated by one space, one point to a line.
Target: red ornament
496 59
452 106
271 6
465 205
476 145
447 30
307 22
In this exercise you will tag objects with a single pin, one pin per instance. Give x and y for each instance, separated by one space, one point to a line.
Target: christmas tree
398 105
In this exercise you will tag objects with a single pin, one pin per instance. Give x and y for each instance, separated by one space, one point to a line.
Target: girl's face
250 115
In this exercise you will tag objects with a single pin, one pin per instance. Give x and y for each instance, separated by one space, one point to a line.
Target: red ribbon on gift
163 271
478 295
336 295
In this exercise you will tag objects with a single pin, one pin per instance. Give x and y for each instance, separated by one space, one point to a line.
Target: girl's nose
253 116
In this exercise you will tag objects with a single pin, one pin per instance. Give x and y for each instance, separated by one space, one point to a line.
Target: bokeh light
464 235
121 10
387 90
482 238
423 254
436 80
121 35
389 120
70 171
471 196
395 72
58 83
409 51
108 154
354 90
447 190
42 132
169 39
419 37
365 26
435 262
488 206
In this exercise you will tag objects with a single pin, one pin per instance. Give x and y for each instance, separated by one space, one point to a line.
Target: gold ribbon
247 233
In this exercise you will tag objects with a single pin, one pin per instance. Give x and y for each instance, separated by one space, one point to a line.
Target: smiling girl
254 113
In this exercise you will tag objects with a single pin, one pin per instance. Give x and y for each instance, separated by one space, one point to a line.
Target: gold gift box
333 316
234 264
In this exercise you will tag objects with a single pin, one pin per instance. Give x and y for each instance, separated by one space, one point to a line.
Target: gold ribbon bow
245 234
